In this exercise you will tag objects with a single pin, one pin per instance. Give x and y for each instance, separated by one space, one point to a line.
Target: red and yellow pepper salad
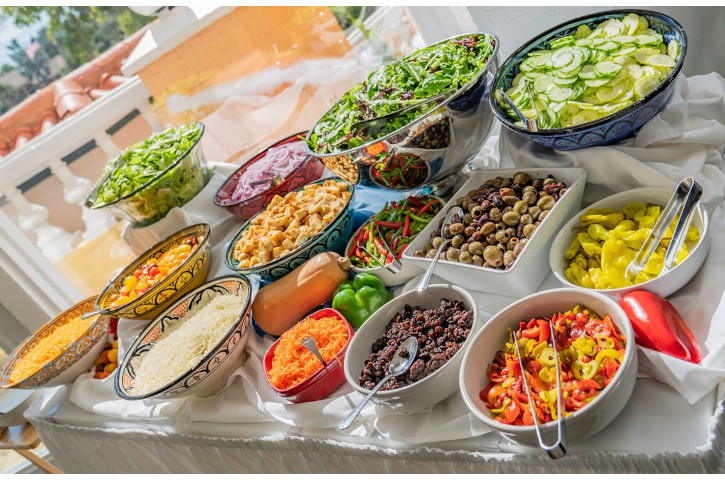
153 271
591 350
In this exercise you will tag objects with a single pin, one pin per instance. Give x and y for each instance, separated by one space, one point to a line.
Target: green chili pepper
360 298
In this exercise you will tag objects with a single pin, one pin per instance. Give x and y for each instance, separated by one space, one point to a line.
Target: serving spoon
309 344
447 222
401 362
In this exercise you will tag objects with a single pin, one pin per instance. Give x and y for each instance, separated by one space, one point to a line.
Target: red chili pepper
395 242
382 223
545 332
379 244
415 201
366 236
402 249
532 332
511 412
406 227
659 326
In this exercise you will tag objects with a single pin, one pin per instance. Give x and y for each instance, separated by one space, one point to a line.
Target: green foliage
79 33
9 97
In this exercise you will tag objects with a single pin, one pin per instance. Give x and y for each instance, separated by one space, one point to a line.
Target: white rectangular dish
532 265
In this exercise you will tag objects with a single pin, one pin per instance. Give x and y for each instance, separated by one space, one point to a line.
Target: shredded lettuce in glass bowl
152 176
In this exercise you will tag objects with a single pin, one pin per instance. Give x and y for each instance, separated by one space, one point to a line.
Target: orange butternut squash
280 305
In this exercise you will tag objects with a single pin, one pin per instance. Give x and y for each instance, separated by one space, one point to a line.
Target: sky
8 31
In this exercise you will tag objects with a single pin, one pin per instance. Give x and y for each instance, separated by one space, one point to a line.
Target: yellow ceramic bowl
75 359
187 276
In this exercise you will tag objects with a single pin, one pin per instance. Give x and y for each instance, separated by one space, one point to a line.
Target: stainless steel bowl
465 118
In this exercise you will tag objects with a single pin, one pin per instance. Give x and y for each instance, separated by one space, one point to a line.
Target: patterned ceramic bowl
190 274
75 359
612 128
331 239
211 373
308 171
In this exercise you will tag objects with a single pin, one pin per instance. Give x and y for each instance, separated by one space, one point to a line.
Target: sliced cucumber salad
591 74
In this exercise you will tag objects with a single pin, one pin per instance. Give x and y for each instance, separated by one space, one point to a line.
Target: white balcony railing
34 285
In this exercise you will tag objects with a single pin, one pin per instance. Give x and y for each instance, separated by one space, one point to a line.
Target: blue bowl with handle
612 128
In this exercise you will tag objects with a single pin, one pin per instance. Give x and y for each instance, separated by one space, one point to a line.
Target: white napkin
686 138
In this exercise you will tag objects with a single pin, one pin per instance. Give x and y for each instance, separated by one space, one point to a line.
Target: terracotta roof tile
37 113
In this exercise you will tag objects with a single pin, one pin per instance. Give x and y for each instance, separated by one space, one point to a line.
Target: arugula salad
424 74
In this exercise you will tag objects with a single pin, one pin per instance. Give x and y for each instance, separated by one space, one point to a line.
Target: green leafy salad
424 74
142 162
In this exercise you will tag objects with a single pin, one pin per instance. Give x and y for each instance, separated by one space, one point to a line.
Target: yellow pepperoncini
626 226
609 353
526 345
547 357
606 217
596 275
633 209
584 370
635 239
589 245
605 342
581 260
573 248
585 345
598 232
545 375
578 276
537 349
614 262
594 262
693 234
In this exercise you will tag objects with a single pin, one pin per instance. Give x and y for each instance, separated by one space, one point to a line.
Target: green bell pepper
359 298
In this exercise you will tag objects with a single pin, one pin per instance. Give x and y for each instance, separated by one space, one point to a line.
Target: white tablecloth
253 430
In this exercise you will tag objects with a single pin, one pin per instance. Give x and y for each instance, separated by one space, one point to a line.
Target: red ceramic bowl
324 381
308 171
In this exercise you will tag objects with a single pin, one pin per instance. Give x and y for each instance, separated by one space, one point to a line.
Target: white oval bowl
432 389
530 268
664 285
491 338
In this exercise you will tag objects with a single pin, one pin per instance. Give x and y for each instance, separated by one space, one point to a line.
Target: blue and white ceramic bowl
332 238
211 373
609 129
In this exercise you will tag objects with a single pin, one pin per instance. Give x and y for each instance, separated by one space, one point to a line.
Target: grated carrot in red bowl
292 363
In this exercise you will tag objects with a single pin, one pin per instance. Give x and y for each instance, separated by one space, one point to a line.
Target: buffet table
674 424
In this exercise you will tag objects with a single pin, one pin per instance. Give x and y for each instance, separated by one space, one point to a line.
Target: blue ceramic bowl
614 127
332 238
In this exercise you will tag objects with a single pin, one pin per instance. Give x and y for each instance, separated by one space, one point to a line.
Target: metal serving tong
373 126
394 266
531 125
558 448
682 202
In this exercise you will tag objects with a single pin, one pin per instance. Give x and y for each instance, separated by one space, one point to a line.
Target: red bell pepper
659 326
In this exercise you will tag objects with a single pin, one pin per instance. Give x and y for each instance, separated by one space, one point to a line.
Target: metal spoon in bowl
447 222
309 344
401 362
